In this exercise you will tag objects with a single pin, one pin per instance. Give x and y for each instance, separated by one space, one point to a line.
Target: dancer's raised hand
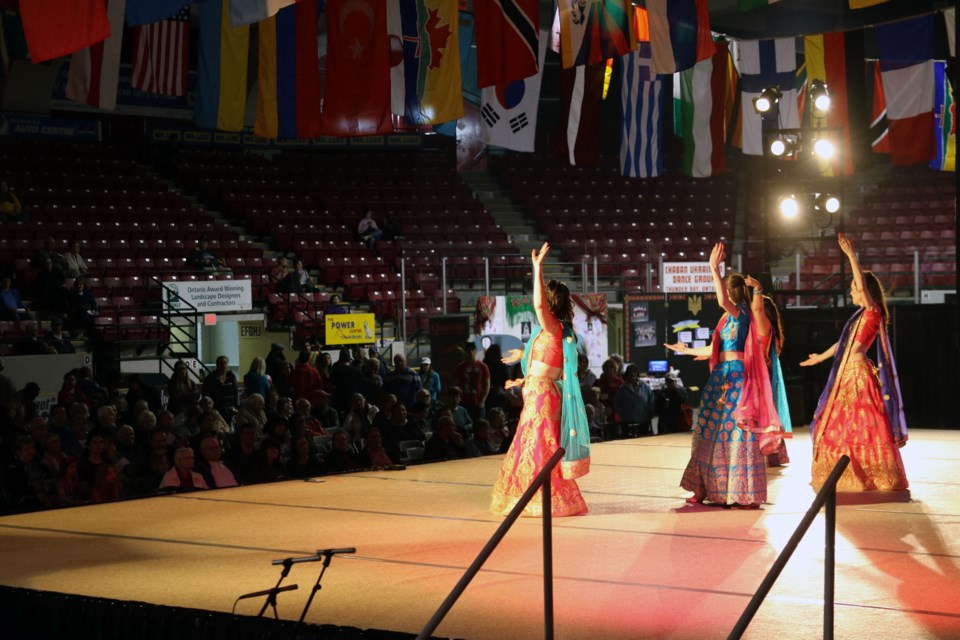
717 256
537 258
846 244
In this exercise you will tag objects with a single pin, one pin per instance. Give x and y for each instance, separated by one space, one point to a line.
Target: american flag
160 55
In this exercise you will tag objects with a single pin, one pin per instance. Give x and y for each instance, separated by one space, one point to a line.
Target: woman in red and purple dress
553 414
860 413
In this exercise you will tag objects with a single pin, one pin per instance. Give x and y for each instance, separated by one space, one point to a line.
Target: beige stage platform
640 565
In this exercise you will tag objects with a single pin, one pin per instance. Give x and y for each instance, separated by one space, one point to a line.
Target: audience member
312 425
374 456
304 379
221 385
181 476
334 306
68 484
202 259
10 207
278 369
345 379
216 474
371 384
252 412
403 381
461 417
304 462
241 458
369 232
107 485
342 456
445 443
634 404
82 306
11 302
473 376
269 467
356 421
57 338
480 443
74 264
181 390
429 378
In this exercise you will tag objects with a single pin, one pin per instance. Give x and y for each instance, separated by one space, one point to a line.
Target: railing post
547 559
916 277
829 561
403 302
583 276
443 281
596 273
486 275
796 272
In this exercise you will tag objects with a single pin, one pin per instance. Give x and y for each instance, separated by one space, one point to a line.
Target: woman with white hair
182 476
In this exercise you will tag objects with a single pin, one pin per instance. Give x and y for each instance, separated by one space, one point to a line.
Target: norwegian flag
160 55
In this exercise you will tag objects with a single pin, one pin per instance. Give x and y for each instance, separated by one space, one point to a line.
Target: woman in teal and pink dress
860 413
553 413
738 424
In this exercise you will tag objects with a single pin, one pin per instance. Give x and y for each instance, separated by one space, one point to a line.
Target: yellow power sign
350 328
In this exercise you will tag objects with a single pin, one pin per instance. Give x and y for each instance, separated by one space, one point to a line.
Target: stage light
785 145
789 206
819 98
767 100
824 148
826 202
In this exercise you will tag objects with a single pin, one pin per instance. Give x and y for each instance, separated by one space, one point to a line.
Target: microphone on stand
289 561
267 592
333 552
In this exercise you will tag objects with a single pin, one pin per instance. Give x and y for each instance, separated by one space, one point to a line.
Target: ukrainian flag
221 70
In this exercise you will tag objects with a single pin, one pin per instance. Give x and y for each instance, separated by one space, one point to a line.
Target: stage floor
642 564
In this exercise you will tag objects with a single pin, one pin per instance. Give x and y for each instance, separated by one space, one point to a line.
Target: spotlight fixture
819 98
767 100
784 145
789 206
824 148
826 202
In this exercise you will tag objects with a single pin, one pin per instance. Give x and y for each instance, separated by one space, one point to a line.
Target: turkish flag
356 99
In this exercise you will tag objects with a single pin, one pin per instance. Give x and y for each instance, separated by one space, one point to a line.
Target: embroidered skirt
537 439
726 465
855 423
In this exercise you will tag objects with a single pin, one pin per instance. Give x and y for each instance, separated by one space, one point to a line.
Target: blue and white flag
509 112
762 64
641 93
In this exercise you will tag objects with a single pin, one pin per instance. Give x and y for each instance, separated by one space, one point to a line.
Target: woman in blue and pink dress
553 413
860 413
738 424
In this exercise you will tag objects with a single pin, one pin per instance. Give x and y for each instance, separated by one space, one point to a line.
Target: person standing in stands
277 369
860 413
221 386
402 382
553 414
429 378
474 379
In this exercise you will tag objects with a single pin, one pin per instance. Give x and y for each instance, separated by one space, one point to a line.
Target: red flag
356 100
95 70
160 55
579 128
55 28
879 139
507 36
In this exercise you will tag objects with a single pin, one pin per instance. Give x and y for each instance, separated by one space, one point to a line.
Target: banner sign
50 128
210 295
350 328
688 277
192 136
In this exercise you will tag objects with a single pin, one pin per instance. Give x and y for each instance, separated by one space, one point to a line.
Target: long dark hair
737 286
558 299
876 292
773 314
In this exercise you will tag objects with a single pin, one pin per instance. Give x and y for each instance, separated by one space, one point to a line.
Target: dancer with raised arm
860 413
738 424
770 333
553 414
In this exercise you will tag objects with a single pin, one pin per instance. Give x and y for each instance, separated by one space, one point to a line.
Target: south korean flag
508 113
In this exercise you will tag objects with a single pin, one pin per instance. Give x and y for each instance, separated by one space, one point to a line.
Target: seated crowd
103 442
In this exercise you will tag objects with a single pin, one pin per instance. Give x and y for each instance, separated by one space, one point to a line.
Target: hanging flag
750 5
221 69
945 127
679 33
468 73
508 112
161 52
905 51
507 40
705 104
579 127
949 16
765 63
431 52
641 96
879 133
356 99
55 28
243 12
837 60
95 70
595 30
288 86
863 4
141 12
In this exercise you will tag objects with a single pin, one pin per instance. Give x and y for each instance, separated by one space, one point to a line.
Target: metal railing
541 482
827 496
